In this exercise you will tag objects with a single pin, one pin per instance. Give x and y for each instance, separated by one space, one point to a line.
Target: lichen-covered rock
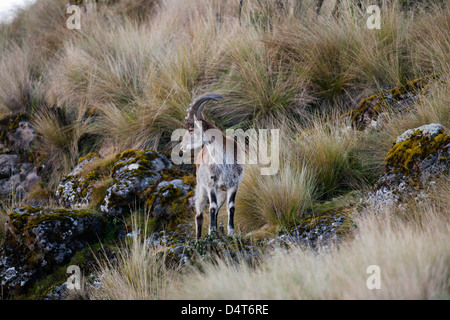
416 159
179 246
133 172
38 240
369 112
16 134
171 198
17 172
316 233
8 165
75 190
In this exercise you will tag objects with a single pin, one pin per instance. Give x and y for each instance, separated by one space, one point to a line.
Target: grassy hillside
126 78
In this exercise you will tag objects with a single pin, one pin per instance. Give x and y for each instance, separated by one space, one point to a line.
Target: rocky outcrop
38 240
75 190
17 171
133 172
317 233
136 179
369 112
416 159
179 247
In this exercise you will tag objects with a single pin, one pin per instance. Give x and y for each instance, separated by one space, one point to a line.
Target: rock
17 172
171 199
370 111
38 240
133 172
178 247
22 137
174 238
416 159
75 190
137 179
8 165
317 234
22 176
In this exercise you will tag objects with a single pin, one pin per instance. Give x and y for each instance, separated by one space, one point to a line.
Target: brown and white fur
218 171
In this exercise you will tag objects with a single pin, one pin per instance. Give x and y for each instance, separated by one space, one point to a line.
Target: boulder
171 199
75 190
17 171
134 171
416 159
38 240
370 111
8 165
316 233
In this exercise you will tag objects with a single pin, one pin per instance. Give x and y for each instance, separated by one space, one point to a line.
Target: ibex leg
231 196
216 200
200 201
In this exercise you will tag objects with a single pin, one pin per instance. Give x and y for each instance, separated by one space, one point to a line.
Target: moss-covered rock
75 190
133 172
316 233
179 246
38 240
416 159
16 133
171 199
399 99
17 171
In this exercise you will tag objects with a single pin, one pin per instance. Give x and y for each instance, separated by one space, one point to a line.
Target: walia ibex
218 171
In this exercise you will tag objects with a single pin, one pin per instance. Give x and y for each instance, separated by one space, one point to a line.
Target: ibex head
195 123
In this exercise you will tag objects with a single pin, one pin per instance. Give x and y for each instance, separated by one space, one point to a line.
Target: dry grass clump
277 200
411 249
138 272
137 65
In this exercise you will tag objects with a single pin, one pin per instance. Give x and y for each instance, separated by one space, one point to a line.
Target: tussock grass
332 152
258 85
138 70
409 247
20 84
277 200
58 139
137 273
126 78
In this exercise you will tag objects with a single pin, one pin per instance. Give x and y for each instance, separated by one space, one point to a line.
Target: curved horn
196 107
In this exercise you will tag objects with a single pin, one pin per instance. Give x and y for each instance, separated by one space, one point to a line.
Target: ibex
218 171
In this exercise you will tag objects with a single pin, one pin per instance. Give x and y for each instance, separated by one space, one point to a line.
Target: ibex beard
219 160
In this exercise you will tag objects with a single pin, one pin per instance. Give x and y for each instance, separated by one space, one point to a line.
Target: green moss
92 176
404 156
30 216
15 122
99 192
377 103
142 157
190 179
89 157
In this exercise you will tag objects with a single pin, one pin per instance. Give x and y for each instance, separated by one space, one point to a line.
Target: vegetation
124 81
